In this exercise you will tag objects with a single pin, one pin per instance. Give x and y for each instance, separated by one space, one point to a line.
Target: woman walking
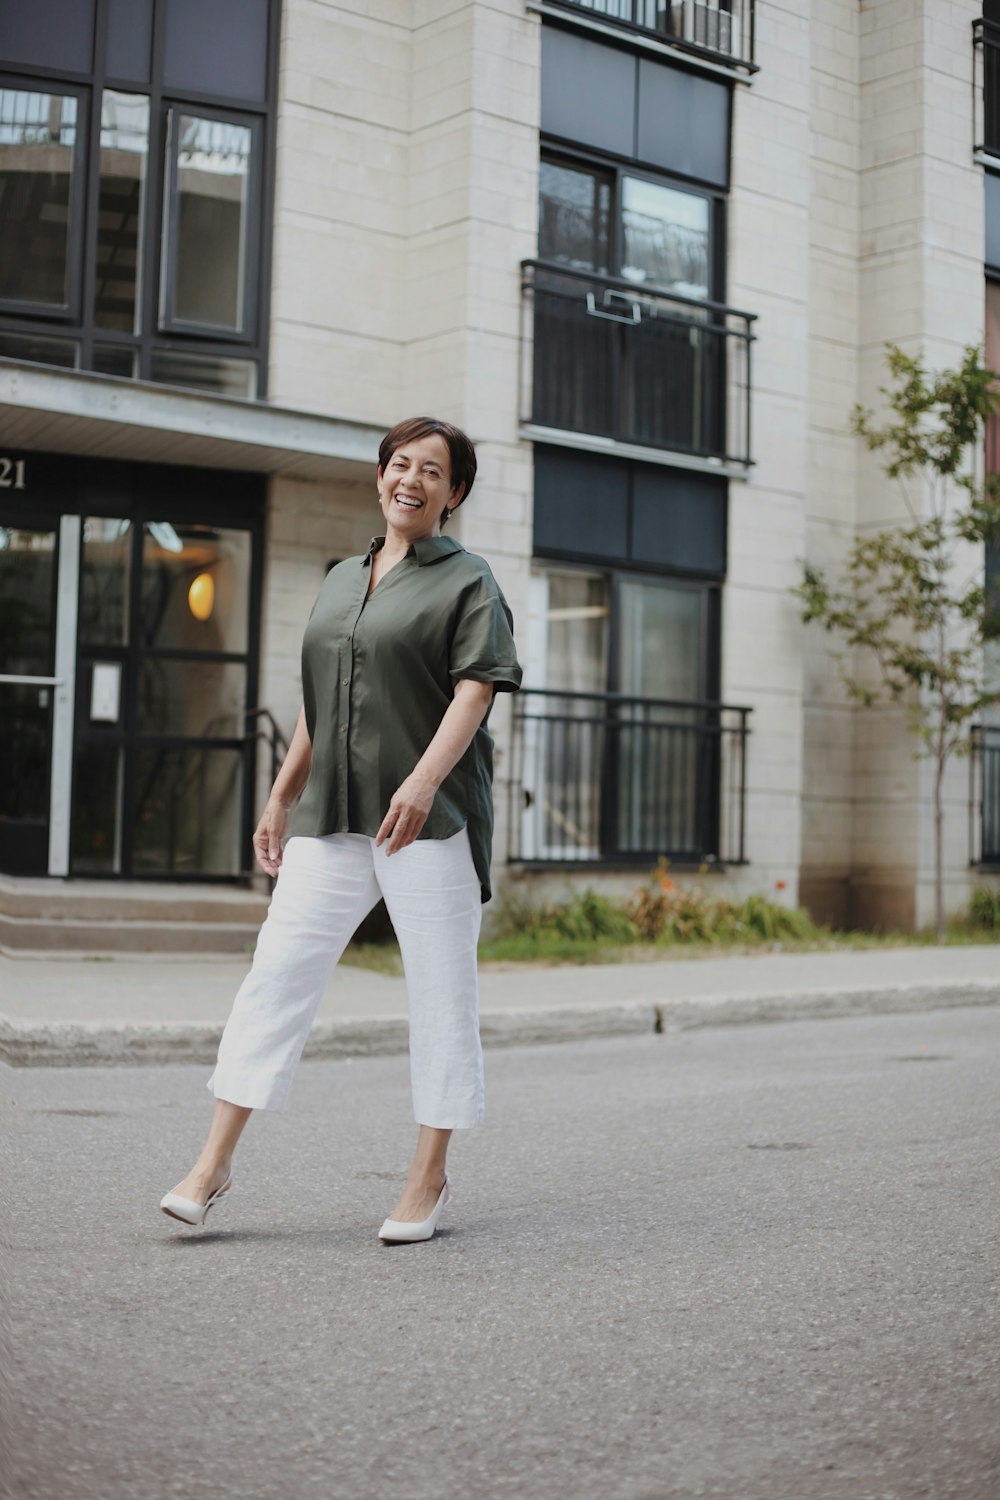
385 791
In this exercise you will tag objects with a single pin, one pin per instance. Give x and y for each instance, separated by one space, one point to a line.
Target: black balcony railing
722 30
984 796
615 359
986 86
602 777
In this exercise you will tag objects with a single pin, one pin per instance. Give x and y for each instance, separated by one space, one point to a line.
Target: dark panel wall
604 97
588 92
130 40
56 34
617 510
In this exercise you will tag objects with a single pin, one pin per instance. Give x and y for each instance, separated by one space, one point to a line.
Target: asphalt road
753 1263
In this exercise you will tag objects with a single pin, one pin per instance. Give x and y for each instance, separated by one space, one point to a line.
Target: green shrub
659 912
591 916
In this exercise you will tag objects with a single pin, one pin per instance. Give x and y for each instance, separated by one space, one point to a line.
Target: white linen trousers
326 886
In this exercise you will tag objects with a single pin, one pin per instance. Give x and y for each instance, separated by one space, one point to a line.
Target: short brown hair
460 449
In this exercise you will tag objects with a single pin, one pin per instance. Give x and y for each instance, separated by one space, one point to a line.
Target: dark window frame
69 312
711 590
562 153
77 324
167 321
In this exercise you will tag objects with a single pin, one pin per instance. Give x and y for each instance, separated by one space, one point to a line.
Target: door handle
20 681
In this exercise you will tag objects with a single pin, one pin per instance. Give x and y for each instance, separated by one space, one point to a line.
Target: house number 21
11 474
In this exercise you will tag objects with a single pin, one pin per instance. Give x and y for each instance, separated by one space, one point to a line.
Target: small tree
901 600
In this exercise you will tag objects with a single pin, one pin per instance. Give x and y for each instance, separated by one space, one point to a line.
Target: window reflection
187 812
192 699
114 359
104 581
37 149
204 372
96 839
120 215
40 350
168 620
665 237
27 575
209 232
574 215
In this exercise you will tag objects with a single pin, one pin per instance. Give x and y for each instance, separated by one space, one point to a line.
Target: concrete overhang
101 416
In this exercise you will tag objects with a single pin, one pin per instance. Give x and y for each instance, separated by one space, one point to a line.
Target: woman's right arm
287 789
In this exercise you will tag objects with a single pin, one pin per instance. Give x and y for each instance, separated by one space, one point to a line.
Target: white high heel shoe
187 1210
399 1232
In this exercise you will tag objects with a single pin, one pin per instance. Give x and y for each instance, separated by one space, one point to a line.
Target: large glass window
616 223
132 190
620 752
665 237
38 162
574 216
204 277
626 341
121 209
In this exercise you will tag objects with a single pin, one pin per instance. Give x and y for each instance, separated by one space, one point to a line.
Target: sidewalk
69 1012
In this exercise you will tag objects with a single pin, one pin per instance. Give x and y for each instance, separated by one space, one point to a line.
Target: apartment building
646 254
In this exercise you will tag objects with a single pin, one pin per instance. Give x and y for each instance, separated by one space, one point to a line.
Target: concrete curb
65 1045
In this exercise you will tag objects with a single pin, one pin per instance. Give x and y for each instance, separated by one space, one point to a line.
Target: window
630 339
40 174
619 739
608 220
134 234
204 277
121 206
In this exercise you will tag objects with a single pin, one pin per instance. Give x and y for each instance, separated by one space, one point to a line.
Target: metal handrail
716 55
625 776
674 376
706 703
636 289
276 739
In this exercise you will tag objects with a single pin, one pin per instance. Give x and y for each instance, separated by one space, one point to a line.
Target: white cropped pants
325 888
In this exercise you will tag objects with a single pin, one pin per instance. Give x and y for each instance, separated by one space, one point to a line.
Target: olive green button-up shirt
378 673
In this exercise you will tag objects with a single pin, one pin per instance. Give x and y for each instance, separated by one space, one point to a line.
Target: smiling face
415 488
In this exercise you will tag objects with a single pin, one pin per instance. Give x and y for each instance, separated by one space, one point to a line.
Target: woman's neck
395 547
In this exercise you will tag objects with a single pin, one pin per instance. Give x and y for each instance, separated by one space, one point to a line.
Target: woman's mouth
405 502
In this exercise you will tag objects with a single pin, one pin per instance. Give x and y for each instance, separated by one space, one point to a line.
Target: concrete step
43 936
62 916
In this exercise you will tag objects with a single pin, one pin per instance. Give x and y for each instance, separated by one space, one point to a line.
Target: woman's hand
408 812
267 839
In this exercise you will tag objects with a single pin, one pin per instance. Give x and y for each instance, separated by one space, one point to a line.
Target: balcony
617 360
984 796
986 87
602 778
718 31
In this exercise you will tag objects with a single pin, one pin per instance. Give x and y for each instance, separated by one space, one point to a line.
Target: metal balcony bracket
608 305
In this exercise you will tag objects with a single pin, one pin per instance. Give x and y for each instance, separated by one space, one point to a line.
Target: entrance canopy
59 411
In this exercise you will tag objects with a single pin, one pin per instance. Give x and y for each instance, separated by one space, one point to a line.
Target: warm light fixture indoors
201 596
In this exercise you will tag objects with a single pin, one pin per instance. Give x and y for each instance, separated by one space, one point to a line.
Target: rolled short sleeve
482 646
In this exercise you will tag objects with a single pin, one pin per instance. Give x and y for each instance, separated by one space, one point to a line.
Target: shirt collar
429 549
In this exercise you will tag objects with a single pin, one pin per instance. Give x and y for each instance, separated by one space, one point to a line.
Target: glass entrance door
28 576
163 764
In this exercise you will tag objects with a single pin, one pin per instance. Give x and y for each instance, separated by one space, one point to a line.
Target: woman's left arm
411 803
